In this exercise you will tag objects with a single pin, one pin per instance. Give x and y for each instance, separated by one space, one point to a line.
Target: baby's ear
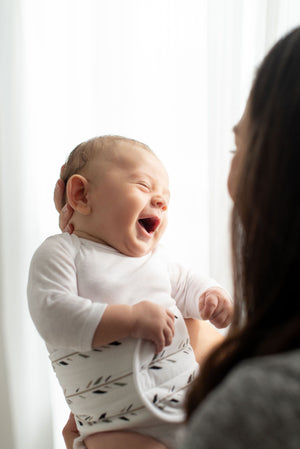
77 189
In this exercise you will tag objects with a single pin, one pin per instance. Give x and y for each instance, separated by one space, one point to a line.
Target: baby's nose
160 202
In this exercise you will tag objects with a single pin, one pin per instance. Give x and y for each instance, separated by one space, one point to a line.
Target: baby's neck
83 228
87 236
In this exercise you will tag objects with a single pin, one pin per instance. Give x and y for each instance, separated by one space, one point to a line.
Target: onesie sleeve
63 319
187 287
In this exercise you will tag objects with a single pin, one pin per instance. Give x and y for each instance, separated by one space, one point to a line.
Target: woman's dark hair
265 224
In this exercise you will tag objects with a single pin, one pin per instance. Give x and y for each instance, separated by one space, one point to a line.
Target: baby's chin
136 250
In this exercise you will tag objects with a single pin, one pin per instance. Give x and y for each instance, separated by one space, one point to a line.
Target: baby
110 304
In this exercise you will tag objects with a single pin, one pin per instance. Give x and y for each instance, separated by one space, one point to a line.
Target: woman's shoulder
263 376
272 370
257 405
268 386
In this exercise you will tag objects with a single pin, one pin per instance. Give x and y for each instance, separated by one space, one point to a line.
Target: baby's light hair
86 151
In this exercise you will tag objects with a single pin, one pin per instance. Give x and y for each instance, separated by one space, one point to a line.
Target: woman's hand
70 432
66 212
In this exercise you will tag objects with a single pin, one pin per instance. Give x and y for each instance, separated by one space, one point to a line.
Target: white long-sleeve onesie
122 384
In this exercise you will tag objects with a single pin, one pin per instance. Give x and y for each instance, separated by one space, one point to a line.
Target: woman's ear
77 189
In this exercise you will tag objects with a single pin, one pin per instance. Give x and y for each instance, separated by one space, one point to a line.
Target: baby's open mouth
150 224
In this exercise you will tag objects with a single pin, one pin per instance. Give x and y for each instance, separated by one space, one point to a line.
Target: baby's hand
70 432
216 306
153 322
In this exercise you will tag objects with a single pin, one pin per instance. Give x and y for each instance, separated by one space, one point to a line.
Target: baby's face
129 195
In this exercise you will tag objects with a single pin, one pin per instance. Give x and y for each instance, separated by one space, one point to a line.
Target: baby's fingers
222 319
208 304
58 194
166 335
64 218
160 342
171 320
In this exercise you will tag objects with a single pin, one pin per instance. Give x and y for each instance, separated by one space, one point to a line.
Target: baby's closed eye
144 185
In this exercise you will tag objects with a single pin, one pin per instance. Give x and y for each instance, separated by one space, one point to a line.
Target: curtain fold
25 401
172 73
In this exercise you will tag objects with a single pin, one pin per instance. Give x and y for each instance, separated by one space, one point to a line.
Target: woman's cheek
232 177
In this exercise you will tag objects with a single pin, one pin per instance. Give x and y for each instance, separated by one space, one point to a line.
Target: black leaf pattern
85 356
98 380
104 384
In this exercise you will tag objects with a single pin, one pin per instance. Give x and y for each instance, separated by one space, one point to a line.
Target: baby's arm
63 318
145 320
216 306
199 296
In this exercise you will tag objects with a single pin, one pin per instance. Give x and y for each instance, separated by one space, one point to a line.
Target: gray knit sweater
256 407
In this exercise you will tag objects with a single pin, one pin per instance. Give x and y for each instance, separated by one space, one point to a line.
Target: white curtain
174 74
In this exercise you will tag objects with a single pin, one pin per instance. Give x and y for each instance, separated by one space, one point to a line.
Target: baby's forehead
133 160
126 154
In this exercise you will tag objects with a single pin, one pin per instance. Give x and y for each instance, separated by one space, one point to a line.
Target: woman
248 393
